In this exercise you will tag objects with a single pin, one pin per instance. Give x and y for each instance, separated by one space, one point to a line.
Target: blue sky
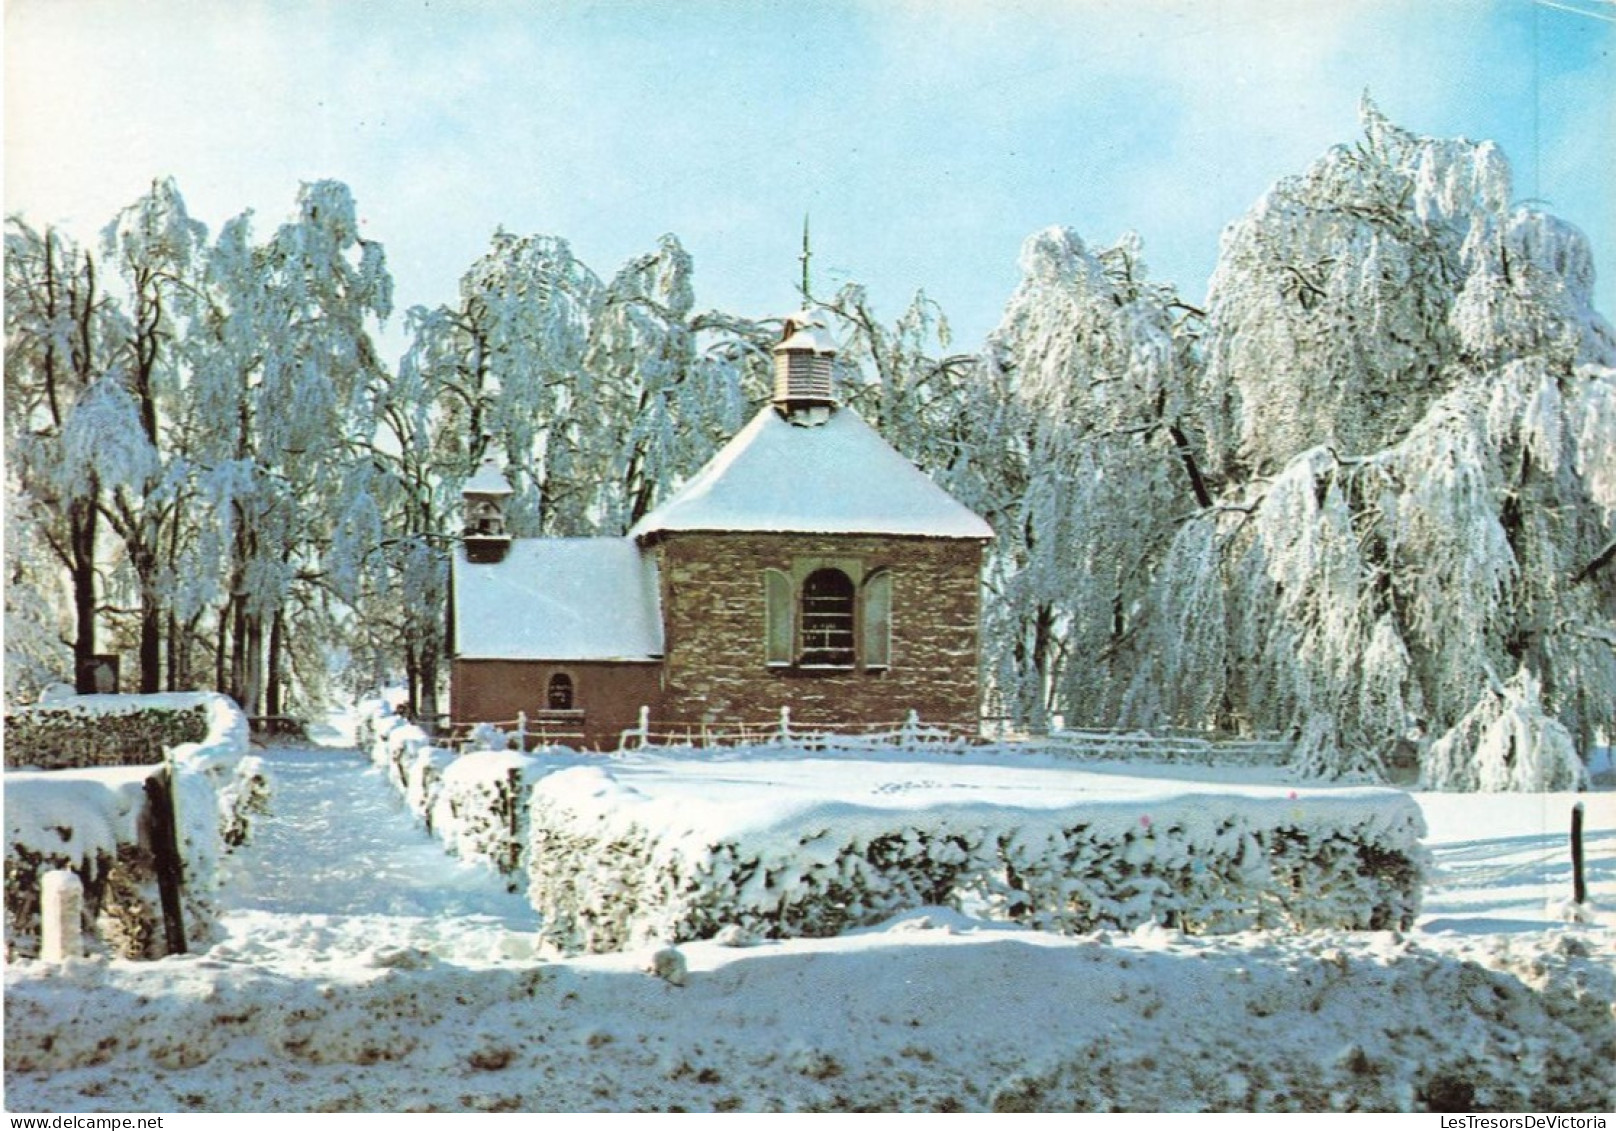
926 140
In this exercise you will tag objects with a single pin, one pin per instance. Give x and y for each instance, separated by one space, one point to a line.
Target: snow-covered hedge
218 768
475 803
97 822
648 850
481 810
104 730
403 751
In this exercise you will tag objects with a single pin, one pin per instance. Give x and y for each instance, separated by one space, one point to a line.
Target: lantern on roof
804 364
483 500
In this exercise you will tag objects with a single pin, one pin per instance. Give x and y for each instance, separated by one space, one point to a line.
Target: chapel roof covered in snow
558 599
837 477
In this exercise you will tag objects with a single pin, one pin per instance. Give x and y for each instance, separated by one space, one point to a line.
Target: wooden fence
783 731
1170 746
524 733
1167 746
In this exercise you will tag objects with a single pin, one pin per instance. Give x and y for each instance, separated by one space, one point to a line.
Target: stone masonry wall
714 609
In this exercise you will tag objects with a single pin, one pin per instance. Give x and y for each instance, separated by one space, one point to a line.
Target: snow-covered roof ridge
558 599
807 329
488 480
840 477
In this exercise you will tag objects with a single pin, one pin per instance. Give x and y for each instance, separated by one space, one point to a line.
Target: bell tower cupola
804 366
483 500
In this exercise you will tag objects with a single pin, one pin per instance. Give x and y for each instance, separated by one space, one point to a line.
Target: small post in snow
910 734
521 731
645 725
162 808
61 916
1579 887
785 725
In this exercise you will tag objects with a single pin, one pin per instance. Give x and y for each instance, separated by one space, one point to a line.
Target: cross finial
805 257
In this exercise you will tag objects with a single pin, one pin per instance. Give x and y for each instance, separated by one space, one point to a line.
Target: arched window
559 695
827 619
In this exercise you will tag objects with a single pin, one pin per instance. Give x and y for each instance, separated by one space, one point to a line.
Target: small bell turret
804 367
483 501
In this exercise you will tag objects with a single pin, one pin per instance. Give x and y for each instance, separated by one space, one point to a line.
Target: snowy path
339 867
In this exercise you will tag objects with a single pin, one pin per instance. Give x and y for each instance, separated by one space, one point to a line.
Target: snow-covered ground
365 970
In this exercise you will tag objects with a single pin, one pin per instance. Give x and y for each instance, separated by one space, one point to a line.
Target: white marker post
61 916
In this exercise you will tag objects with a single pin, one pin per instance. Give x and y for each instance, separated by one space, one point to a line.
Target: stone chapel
808 565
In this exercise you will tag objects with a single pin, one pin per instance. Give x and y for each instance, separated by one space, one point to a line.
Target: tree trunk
151 648
252 688
83 518
273 701
238 652
171 632
1181 442
151 624
412 682
1042 649
429 686
221 651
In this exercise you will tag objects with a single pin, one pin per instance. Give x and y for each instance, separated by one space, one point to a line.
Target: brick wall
714 609
608 696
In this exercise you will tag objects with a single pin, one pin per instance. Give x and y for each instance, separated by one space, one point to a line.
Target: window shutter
878 620
779 631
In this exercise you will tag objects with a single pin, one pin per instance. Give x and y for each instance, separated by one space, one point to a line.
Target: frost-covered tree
1332 296
490 374
1100 361
388 558
281 385
1414 399
59 397
157 249
500 366
903 378
663 387
38 636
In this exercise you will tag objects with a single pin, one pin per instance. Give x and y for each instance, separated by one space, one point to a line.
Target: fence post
1579 887
521 731
61 916
910 733
645 725
785 725
165 843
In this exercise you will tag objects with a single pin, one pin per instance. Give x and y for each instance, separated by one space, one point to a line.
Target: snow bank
930 1012
647 848
98 822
